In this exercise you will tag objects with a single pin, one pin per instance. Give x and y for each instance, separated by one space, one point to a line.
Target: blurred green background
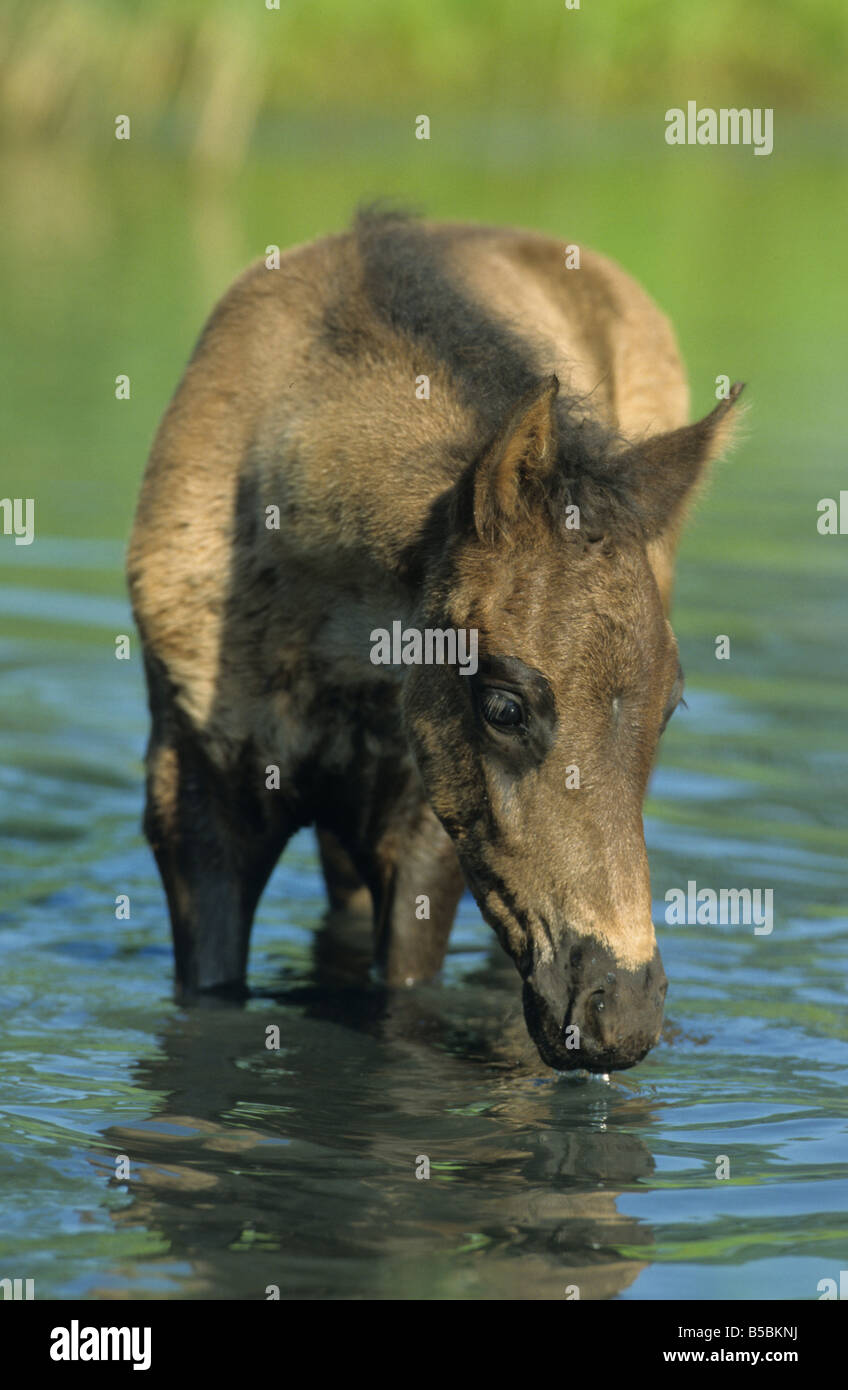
207 72
253 126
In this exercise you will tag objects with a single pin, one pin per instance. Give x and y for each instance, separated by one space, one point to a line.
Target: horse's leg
216 834
416 884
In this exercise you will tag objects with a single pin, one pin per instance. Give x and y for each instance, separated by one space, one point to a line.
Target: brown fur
444 512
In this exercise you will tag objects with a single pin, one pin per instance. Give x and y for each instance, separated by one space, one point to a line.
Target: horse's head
537 763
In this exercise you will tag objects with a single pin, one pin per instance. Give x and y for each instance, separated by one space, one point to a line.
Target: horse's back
300 455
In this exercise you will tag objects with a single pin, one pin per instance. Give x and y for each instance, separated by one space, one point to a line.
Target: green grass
205 74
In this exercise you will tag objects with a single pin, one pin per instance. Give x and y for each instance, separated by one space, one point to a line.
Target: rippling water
296 1167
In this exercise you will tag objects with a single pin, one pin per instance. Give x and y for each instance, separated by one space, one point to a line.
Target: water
296 1167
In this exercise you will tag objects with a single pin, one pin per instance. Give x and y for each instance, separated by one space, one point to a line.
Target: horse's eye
501 709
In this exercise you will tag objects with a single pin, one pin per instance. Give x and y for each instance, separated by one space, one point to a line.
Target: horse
457 429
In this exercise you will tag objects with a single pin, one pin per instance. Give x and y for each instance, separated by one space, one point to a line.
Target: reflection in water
304 1158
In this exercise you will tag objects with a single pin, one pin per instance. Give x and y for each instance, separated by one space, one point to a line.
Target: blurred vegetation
202 75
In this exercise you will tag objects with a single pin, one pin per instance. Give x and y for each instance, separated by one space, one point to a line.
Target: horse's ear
661 475
523 453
